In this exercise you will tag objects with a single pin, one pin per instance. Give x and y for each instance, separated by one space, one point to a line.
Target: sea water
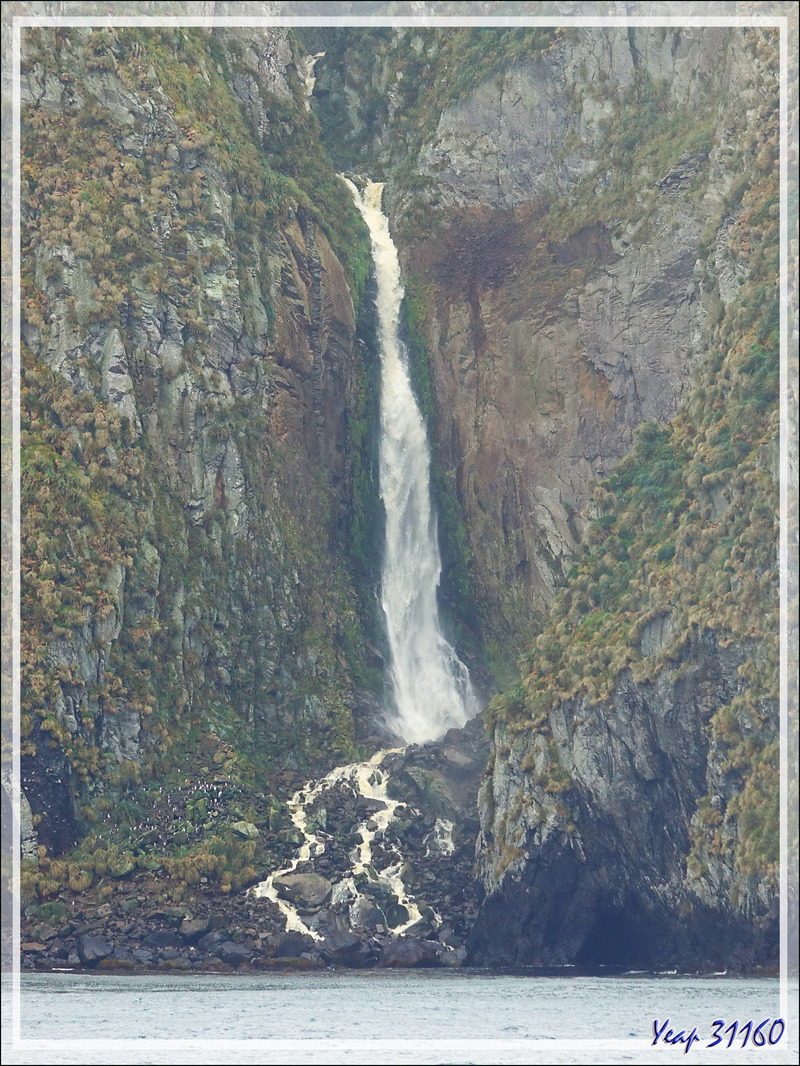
375 1016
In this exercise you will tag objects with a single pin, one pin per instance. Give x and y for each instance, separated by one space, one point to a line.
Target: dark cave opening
619 936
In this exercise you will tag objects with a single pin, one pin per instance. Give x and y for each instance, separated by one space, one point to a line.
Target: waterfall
432 689
310 79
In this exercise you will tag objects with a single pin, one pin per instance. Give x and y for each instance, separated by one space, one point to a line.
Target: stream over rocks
383 872
377 870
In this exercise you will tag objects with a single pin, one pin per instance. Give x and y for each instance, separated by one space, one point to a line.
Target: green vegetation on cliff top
81 183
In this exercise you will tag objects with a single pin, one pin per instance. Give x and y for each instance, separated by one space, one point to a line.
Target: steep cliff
588 225
196 447
562 200
630 812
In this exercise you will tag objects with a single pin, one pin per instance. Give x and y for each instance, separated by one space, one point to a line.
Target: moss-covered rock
197 418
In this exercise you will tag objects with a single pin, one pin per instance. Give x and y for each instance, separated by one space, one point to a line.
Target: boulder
233 953
364 914
245 830
123 955
318 820
304 890
58 948
211 941
44 931
452 956
289 945
408 952
347 949
421 928
193 928
162 938
91 949
179 963
396 914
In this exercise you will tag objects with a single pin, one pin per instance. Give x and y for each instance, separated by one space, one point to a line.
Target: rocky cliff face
587 825
194 384
555 225
579 229
636 764
587 223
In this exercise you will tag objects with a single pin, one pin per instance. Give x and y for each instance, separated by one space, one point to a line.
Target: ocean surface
387 1016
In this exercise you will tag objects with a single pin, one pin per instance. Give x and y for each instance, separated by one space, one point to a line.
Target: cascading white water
366 779
432 689
310 79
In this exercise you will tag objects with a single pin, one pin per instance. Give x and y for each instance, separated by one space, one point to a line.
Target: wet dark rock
211 941
123 954
93 948
348 949
58 949
396 914
192 929
233 953
290 836
452 956
163 938
289 945
318 820
367 915
214 965
297 964
407 952
179 963
423 927
447 936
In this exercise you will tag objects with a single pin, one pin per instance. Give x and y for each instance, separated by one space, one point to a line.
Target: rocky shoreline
384 879
242 938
